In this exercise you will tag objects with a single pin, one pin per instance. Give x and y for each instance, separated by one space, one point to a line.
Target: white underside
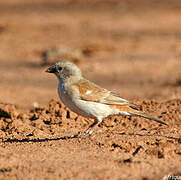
87 108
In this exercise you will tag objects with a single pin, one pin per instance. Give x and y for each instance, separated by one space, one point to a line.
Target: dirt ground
130 47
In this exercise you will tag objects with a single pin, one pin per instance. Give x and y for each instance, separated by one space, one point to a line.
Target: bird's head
65 70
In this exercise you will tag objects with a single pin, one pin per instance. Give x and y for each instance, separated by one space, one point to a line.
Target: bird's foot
86 133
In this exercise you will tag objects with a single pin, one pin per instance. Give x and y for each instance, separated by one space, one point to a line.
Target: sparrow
90 100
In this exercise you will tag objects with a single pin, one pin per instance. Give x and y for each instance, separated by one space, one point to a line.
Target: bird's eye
59 68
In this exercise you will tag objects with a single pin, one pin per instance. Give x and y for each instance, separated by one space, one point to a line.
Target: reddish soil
132 48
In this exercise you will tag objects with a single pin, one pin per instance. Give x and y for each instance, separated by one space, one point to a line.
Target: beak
51 69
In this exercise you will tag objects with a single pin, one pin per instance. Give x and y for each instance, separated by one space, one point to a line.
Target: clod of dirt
160 155
4 114
91 49
3 170
137 150
129 160
2 28
178 82
7 111
60 53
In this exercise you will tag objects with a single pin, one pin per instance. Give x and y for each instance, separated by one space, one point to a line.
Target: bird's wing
116 99
89 91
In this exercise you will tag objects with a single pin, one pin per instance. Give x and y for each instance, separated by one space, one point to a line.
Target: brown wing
92 92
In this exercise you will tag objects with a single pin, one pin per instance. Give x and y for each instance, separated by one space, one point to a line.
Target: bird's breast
69 101
65 98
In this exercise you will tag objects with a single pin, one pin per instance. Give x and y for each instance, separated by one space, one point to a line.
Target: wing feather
92 92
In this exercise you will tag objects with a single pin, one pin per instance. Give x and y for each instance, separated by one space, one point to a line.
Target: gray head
65 70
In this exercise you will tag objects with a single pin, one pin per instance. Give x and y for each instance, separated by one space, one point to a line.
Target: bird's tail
133 112
148 116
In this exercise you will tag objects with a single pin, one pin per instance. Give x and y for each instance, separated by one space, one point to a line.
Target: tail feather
148 116
133 112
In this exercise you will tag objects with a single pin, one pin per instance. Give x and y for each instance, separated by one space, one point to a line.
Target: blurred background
130 47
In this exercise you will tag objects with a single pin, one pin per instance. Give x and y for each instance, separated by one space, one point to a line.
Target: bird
90 100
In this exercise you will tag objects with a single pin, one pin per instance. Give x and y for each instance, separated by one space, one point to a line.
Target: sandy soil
130 47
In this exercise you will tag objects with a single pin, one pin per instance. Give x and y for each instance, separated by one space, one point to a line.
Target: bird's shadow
37 140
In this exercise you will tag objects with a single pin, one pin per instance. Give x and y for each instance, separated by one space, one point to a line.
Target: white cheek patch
88 92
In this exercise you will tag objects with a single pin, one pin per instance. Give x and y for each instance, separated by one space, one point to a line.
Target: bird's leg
89 131
90 128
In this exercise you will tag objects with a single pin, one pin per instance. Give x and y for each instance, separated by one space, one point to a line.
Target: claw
85 134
